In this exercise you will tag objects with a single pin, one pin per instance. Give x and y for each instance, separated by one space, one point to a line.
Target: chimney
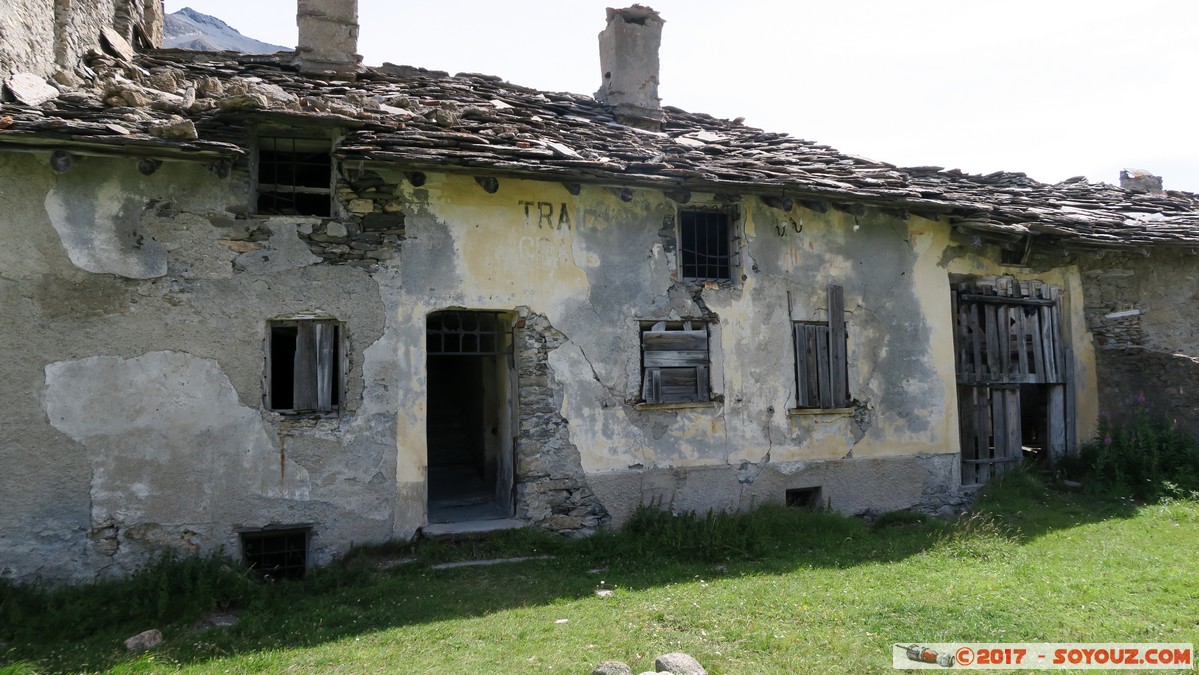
1139 180
328 37
629 63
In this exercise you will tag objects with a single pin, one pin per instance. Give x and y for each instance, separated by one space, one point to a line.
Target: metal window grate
276 554
294 176
465 334
706 245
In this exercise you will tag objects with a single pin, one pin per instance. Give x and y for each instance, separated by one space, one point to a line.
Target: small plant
1143 456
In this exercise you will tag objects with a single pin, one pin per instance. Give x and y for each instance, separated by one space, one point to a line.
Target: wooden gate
1007 334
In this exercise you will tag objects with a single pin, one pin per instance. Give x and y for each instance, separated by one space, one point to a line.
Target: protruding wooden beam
221 168
625 194
681 195
781 202
416 178
819 206
148 166
573 188
61 161
490 184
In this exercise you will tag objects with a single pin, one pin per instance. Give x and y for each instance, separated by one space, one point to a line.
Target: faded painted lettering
545 215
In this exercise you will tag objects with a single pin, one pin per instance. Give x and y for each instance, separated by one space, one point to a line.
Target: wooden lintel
1004 300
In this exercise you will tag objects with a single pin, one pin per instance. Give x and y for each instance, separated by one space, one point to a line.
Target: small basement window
295 176
706 245
276 554
304 366
821 364
674 362
804 498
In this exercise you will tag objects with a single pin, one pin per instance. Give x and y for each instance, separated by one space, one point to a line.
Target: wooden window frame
821 358
675 362
732 263
319 365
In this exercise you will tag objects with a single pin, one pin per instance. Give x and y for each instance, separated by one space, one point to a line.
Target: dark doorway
1012 374
469 416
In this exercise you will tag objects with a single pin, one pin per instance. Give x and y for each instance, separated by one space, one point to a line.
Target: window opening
674 362
276 554
305 366
706 245
821 364
294 176
803 498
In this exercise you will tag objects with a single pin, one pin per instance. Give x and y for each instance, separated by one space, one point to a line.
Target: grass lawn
780 591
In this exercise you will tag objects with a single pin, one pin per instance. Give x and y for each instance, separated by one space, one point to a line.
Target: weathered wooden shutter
313 370
675 362
1008 332
821 365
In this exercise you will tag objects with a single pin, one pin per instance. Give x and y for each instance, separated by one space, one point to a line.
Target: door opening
1012 375
469 416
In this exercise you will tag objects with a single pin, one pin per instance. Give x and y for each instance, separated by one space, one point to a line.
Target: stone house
282 305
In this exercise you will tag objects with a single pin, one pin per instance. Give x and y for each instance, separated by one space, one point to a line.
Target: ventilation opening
804 498
276 554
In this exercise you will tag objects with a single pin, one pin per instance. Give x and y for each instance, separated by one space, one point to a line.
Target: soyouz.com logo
1042 656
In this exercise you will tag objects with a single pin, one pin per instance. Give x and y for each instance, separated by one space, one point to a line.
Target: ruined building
286 304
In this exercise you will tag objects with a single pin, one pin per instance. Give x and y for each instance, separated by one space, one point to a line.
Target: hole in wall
276 554
803 498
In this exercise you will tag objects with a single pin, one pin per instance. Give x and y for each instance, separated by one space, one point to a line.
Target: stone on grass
612 668
144 640
679 663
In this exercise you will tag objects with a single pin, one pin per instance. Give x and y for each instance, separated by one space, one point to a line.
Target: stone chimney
328 37
1139 180
629 63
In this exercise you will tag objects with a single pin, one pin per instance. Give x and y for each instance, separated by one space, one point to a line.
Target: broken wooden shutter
675 363
313 368
821 364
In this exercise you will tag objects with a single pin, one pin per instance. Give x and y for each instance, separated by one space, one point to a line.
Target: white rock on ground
679 663
145 640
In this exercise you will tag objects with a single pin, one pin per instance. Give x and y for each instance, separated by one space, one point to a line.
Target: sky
1052 88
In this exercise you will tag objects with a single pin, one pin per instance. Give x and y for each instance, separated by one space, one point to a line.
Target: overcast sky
1053 88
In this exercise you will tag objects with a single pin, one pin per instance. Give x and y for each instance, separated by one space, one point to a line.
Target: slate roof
480 124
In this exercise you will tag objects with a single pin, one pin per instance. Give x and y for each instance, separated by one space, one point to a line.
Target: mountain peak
189 29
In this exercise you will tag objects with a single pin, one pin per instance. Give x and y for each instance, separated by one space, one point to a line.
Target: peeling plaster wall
137 418
159 288
610 267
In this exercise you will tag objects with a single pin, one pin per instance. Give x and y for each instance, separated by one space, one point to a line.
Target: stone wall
50 37
551 489
1142 312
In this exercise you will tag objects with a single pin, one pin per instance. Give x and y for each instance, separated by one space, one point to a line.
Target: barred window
706 245
294 176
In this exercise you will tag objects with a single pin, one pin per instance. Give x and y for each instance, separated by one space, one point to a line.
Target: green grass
779 591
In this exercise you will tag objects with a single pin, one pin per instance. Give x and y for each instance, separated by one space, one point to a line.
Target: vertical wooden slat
1021 342
803 398
323 365
1014 448
999 439
1058 339
822 362
701 383
975 342
304 386
992 329
655 386
1055 413
982 430
1033 322
812 358
836 346
959 333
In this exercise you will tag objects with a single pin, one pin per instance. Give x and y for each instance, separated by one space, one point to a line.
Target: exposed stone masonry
551 490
